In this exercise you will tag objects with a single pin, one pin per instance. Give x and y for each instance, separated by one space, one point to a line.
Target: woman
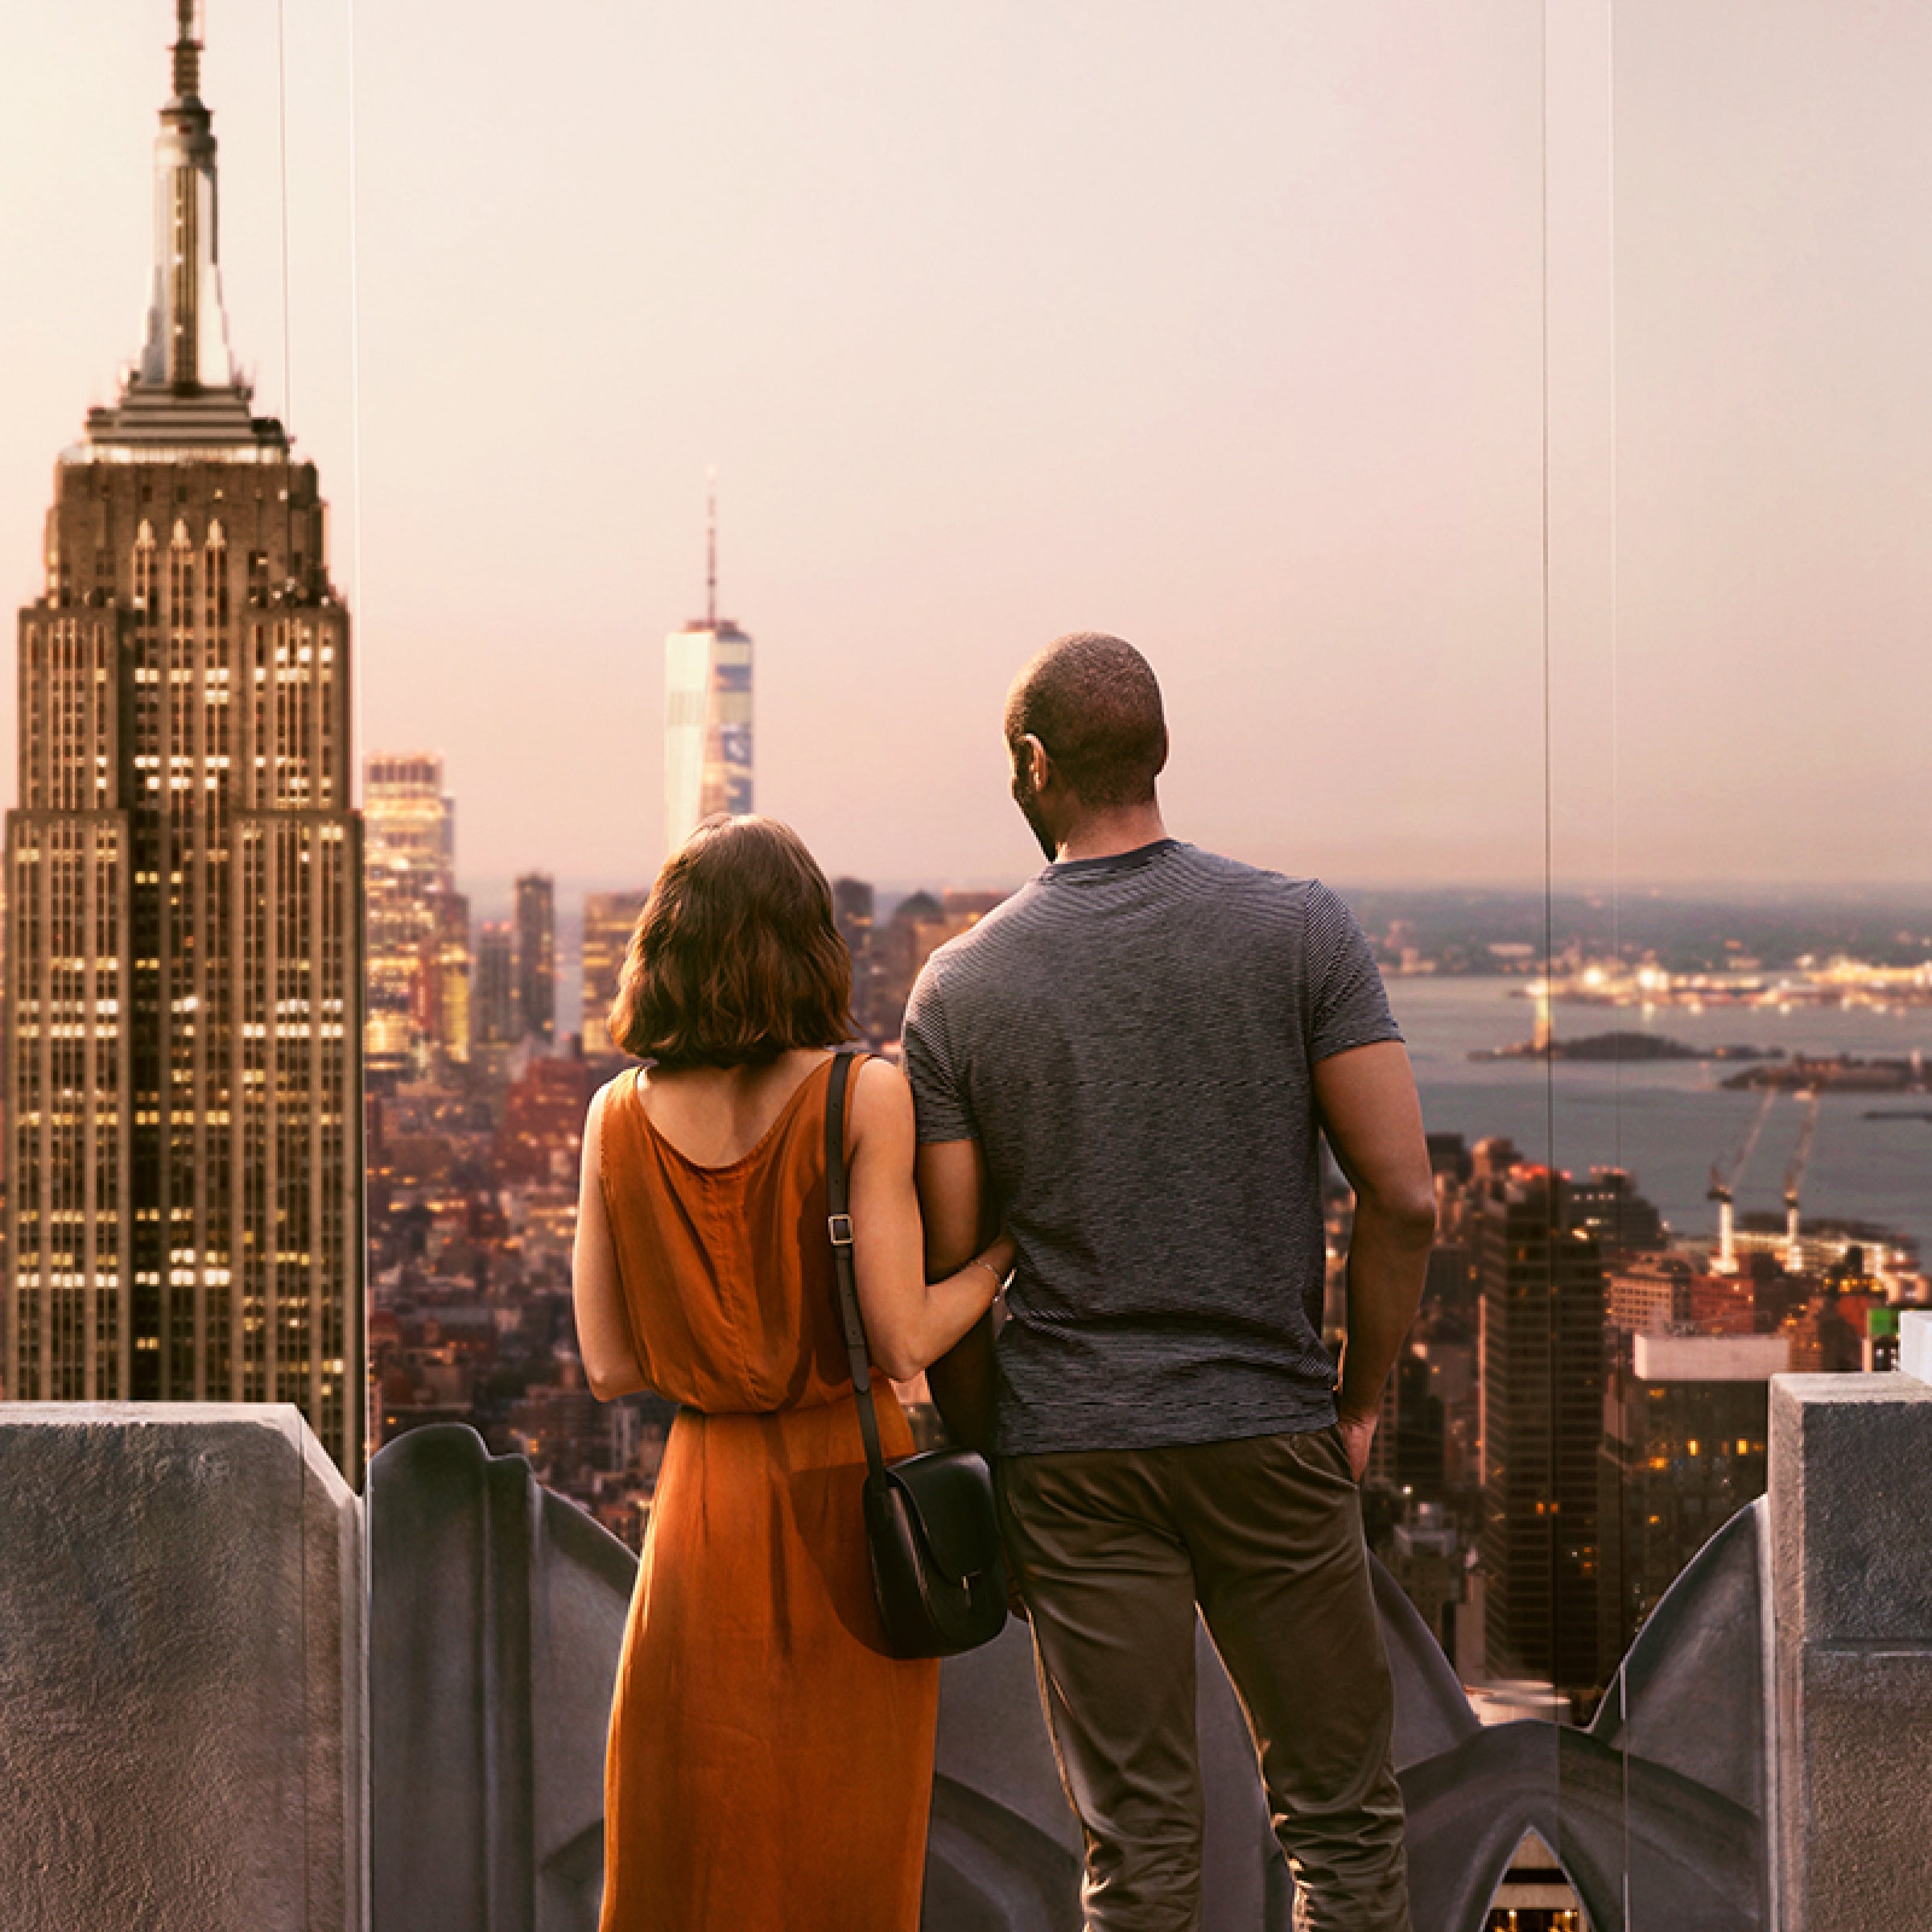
769 1766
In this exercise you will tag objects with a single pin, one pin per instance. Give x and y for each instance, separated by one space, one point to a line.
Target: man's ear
1038 764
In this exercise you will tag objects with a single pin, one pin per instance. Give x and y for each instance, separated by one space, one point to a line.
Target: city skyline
221 1187
1225 336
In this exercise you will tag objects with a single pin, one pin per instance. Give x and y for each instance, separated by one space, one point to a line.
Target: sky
1288 340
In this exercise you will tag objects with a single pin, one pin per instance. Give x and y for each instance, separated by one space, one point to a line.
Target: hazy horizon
1225 333
491 898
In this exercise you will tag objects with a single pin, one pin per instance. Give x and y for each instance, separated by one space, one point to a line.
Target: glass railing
1501 430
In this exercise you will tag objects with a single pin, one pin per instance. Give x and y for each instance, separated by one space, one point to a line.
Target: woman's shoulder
629 1081
880 1095
613 1089
877 1075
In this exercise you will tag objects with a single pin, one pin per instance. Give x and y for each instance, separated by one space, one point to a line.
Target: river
1667 1120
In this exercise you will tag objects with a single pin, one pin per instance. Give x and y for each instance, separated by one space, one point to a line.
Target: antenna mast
711 548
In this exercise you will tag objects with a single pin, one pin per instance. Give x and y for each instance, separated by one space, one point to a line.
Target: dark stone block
1693 1858
1691 1695
497 1617
1431 1714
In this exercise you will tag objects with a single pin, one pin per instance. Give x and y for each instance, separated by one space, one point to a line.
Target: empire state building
184 955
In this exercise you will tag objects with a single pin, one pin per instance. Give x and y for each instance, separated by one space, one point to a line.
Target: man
1128 1062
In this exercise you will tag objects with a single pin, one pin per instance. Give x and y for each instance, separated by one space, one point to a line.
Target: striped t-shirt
1129 1038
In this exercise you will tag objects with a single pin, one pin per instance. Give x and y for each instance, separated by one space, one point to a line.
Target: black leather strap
839 1226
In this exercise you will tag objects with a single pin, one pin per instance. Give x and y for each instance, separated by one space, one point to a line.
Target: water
1668 1121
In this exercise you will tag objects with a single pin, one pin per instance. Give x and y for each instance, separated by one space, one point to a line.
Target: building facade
707 715
537 958
852 910
497 1025
1541 1351
1685 1429
609 917
417 923
183 1053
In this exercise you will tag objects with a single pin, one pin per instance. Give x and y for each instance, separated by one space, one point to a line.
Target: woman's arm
909 1320
610 1361
951 1177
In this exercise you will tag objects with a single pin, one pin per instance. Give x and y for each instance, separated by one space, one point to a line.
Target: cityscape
294 1099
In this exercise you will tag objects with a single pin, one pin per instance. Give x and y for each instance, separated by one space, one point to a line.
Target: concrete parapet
181 1671
1851 1503
1915 1342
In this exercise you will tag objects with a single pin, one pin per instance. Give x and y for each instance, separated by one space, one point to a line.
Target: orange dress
768 1767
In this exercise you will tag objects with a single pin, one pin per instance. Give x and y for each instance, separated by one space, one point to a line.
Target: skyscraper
447 1021
537 956
1542 1351
417 923
495 1003
608 920
707 714
1686 1429
851 910
184 958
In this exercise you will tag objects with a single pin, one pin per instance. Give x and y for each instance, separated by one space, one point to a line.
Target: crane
1793 1175
1725 1176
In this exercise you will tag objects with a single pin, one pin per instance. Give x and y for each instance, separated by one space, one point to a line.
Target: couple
1116 1081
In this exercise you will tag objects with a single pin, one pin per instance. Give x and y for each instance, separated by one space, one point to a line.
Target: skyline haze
1226 335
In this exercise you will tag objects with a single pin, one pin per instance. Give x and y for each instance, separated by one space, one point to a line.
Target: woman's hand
1000 1257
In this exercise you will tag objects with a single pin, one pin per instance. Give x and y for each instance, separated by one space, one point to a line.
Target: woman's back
726 1269
769 1763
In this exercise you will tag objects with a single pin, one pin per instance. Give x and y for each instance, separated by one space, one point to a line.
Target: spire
187 54
187 347
711 548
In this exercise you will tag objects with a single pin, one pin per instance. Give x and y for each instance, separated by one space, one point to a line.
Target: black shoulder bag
937 1572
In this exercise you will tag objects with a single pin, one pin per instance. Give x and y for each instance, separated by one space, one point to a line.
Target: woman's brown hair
736 957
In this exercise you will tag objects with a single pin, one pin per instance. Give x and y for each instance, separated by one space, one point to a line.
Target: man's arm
953 1206
1373 1120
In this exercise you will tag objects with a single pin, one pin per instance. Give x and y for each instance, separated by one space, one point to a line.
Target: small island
1843 1072
1621 1046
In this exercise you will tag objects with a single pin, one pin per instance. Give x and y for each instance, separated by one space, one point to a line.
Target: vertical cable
352 783
355 357
365 1820
288 378
288 511
1605 1581
1616 810
1551 1217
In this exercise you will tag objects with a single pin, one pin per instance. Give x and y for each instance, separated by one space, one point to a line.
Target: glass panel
1511 425
1734 599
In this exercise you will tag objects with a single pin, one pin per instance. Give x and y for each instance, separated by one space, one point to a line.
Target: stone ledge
181 1670
1851 1466
1915 1344
1850 1499
1864 1748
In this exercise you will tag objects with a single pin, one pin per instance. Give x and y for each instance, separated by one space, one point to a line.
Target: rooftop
216 1658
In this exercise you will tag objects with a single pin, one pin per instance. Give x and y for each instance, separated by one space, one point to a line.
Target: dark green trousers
1114 1549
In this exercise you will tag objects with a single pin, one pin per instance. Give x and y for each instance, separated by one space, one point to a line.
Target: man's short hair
1093 701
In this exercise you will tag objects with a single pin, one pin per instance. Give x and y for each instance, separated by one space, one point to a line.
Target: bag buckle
839 1226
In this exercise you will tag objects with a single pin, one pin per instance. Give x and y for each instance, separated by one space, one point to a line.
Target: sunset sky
1220 328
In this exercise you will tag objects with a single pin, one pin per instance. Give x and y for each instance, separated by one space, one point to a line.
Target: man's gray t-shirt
1130 1040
